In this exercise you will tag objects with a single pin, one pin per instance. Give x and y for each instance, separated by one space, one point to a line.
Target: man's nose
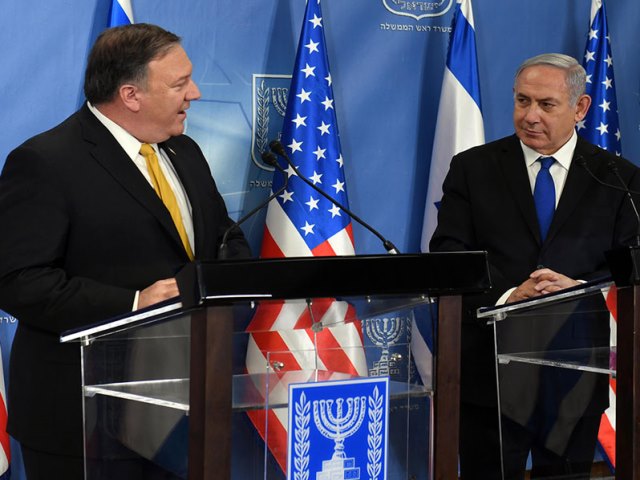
532 114
193 93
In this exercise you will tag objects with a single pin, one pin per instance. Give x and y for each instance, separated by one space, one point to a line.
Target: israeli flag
459 125
121 13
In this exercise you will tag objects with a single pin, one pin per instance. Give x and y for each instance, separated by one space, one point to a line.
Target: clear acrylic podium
170 385
554 358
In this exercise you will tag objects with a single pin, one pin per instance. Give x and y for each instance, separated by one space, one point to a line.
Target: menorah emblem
383 333
279 97
338 427
269 106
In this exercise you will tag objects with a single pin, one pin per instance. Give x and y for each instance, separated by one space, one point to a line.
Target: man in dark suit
86 237
488 204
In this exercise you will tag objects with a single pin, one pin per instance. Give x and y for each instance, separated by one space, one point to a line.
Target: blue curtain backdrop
387 59
387 67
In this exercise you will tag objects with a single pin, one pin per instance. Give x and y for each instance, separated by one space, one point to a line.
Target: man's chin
179 129
532 140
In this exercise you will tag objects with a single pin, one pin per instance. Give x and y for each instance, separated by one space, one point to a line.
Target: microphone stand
278 148
624 262
614 168
270 159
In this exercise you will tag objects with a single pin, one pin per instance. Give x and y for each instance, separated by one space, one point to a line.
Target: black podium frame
443 275
624 264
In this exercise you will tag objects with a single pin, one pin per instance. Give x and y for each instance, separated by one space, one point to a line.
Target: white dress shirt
559 170
131 146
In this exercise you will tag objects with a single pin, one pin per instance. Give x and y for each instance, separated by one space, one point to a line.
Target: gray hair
575 75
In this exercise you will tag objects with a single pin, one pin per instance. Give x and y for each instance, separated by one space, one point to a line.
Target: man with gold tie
98 215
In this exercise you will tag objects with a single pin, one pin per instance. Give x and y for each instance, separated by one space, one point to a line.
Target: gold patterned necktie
164 191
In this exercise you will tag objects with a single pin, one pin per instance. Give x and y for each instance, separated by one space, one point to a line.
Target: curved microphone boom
271 160
278 148
611 165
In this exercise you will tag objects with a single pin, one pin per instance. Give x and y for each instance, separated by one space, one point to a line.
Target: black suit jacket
82 232
488 205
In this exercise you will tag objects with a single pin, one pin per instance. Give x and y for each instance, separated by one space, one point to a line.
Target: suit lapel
190 181
108 152
511 160
575 186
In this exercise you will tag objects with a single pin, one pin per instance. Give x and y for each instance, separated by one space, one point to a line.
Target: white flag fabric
459 125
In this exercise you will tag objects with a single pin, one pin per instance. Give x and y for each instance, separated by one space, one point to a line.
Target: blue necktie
544 196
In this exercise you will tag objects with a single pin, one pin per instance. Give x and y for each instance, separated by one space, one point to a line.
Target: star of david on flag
601 127
301 222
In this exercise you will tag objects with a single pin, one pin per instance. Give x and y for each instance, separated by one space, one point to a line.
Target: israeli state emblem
270 94
390 335
418 9
338 430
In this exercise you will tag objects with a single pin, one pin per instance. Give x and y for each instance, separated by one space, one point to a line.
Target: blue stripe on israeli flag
121 13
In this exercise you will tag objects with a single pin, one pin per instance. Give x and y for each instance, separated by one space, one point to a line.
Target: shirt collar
128 142
563 156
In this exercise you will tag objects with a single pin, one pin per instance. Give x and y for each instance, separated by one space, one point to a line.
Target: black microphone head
270 159
581 161
611 165
277 147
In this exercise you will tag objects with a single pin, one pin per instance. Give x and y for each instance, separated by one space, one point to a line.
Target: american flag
304 223
601 127
5 450
120 13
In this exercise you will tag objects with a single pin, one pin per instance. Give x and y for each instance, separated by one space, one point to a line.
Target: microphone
278 148
271 160
611 165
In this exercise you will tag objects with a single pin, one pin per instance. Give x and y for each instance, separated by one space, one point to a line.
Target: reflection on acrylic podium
554 358
168 389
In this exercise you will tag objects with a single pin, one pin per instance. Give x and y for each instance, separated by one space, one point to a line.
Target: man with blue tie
530 201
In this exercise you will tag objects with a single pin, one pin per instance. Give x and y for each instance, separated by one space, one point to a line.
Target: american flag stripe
341 243
282 239
277 439
290 345
281 235
5 449
607 431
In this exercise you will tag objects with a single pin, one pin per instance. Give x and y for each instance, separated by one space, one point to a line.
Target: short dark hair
121 55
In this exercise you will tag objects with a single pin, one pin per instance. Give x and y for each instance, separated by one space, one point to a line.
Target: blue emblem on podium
338 430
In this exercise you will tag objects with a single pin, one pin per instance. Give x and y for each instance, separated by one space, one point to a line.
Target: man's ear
582 107
130 97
